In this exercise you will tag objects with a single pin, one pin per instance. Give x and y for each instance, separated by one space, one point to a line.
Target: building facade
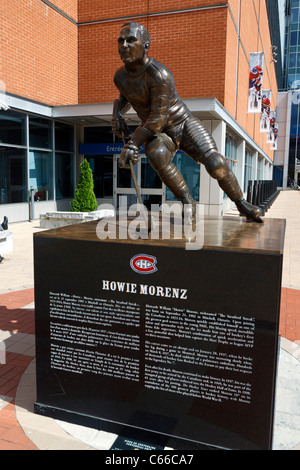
288 155
57 65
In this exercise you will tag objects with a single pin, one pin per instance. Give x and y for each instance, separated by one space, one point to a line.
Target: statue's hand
129 152
120 128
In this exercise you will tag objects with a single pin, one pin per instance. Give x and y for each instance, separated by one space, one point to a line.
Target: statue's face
131 48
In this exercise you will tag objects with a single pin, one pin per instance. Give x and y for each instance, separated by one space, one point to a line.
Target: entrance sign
100 149
109 148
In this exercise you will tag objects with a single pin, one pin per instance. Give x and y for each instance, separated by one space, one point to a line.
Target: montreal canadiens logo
143 264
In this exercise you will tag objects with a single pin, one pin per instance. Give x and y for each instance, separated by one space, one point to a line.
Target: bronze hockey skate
252 213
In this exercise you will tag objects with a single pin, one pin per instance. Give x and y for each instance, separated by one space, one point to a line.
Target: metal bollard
31 205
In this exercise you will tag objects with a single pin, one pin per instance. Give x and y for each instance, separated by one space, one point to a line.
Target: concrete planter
6 242
62 218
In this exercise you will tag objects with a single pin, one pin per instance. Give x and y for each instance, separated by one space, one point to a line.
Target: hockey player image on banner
271 128
255 82
265 111
275 137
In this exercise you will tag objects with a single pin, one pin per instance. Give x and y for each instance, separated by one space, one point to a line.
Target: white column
218 131
205 179
287 140
240 171
266 169
254 166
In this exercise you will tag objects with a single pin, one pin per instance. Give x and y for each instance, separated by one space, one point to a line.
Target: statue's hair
144 33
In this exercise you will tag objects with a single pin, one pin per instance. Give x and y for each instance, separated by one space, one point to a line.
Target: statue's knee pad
158 154
216 166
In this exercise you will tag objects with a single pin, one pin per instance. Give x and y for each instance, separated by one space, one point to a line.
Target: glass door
150 186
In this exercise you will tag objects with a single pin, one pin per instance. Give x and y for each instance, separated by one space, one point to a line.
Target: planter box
62 218
6 242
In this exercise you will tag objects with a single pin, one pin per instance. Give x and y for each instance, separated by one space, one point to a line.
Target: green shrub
85 199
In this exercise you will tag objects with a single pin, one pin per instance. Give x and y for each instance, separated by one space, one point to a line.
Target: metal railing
262 193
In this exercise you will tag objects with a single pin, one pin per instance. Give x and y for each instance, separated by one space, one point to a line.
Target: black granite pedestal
149 334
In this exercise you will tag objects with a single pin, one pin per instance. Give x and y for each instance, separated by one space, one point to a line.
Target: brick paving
17 315
16 319
290 315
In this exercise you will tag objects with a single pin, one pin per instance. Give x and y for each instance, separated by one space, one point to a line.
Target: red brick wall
199 47
70 7
46 57
180 41
91 10
254 37
39 58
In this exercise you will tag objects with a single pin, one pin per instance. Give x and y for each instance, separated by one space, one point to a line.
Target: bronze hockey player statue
167 124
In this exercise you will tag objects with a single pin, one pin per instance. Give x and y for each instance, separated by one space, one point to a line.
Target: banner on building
271 127
265 111
274 137
255 82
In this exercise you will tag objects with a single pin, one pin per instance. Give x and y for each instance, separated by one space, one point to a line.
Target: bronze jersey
152 94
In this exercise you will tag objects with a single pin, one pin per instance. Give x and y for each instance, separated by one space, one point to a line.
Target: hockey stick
149 221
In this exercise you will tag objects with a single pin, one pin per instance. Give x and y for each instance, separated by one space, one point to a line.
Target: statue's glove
120 128
129 152
131 149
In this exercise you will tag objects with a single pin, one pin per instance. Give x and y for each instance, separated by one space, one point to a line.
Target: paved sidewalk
21 429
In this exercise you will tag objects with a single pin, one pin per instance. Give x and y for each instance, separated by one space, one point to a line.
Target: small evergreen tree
85 199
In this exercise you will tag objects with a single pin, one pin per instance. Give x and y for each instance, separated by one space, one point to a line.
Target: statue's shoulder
120 72
159 72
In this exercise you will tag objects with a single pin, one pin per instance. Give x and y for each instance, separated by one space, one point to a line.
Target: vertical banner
255 82
274 137
271 127
272 134
265 111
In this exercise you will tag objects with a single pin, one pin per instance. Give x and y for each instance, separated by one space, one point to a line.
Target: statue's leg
217 167
160 153
199 145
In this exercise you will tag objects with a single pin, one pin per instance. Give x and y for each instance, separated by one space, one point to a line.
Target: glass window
285 62
64 137
124 179
40 132
151 199
12 128
96 135
248 169
230 154
295 15
231 151
260 169
102 168
294 38
126 200
13 175
286 40
292 60
294 134
190 171
291 80
64 175
41 174
149 177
